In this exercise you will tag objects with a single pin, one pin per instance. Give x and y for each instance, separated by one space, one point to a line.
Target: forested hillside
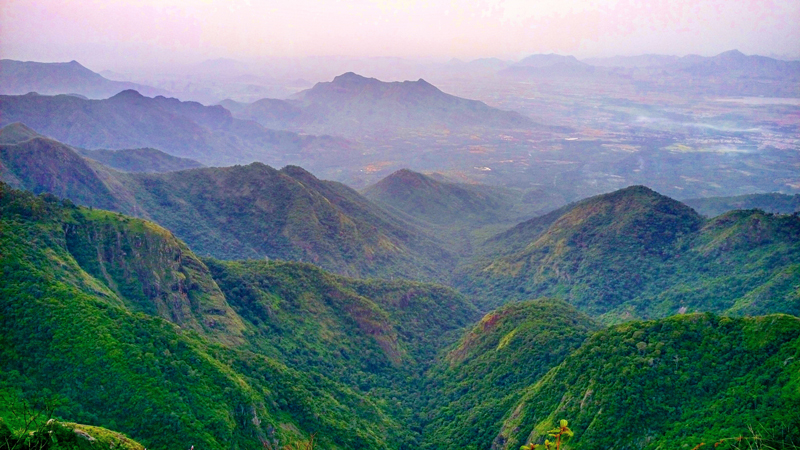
129 330
634 254
123 325
670 383
480 378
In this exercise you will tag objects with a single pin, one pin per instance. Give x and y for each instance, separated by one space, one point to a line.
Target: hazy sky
126 33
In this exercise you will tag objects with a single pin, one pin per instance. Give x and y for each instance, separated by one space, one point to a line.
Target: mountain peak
298 173
732 54
423 85
636 200
352 78
404 179
16 132
128 94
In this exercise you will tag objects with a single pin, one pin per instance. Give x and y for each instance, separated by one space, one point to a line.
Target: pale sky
108 34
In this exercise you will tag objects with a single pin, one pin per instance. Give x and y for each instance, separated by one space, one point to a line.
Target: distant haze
117 34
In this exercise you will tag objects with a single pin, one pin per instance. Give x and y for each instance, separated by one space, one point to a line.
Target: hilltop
736 63
33 162
440 202
550 65
461 214
126 160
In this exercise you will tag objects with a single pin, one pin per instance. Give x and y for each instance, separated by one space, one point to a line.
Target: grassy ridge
140 160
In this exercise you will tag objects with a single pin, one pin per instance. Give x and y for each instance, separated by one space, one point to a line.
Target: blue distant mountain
22 77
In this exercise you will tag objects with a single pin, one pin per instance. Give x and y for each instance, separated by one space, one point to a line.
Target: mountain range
251 211
635 253
772 203
135 332
125 160
22 77
208 134
727 74
629 254
254 307
353 105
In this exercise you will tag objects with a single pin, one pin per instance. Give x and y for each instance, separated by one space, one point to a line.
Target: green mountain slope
376 336
357 323
670 383
131 331
236 212
255 211
635 253
484 374
772 203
